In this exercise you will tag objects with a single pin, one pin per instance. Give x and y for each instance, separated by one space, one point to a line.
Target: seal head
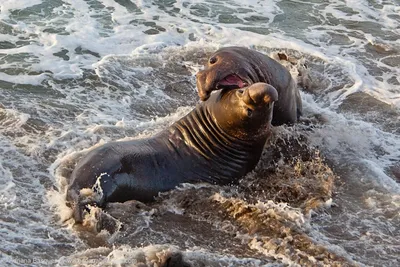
244 113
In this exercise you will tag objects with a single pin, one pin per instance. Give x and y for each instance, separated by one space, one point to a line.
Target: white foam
356 136
8 196
380 176
87 32
8 5
270 207
24 79
57 202
13 118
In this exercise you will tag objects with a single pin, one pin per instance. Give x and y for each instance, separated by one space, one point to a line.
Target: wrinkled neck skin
221 157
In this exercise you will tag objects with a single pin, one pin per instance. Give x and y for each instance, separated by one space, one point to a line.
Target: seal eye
213 60
249 112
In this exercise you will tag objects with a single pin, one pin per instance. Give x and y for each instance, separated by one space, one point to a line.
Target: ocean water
78 73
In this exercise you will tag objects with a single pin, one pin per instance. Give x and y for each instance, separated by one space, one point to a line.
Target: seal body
219 141
237 67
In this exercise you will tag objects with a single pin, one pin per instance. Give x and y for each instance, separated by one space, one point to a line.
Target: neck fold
225 157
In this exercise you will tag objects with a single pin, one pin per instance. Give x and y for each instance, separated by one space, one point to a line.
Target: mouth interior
231 81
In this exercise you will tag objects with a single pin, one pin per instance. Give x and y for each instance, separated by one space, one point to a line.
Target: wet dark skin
235 67
218 142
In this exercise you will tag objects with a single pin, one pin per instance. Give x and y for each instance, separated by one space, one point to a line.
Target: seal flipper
91 179
78 211
74 203
77 205
117 187
96 196
81 205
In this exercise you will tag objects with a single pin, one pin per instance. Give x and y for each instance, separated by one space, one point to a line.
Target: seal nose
260 93
200 83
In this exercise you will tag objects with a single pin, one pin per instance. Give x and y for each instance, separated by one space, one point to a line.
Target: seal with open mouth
238 67
218 142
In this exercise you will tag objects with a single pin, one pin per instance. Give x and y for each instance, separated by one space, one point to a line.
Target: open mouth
232 81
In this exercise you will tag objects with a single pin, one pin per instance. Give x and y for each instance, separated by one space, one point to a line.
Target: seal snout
260 93
203 83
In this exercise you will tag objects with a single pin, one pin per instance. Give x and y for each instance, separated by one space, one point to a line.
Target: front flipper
90 178
95 196
117 187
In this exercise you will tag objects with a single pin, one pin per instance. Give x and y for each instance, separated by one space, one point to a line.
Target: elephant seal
237 67
218 142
